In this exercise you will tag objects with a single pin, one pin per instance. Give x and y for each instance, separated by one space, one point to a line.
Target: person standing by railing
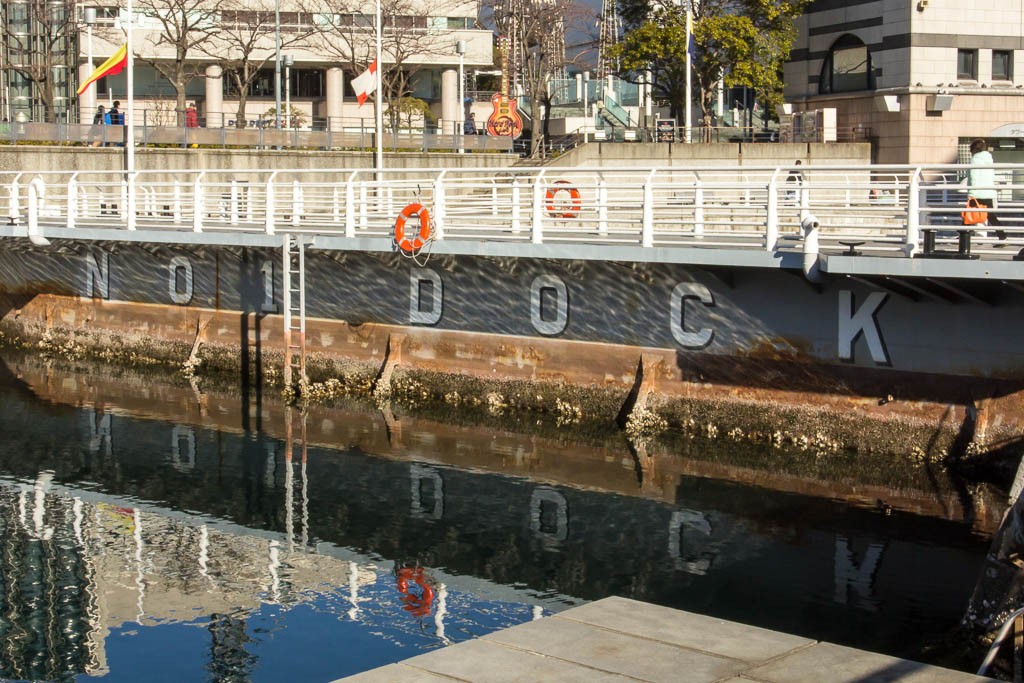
191 116
100 118
981 182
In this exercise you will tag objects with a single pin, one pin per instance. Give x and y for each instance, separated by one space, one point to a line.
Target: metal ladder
294 277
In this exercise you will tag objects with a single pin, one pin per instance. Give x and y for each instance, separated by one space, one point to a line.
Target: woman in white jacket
981 182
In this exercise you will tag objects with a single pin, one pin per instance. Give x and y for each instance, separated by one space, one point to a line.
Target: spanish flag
111 67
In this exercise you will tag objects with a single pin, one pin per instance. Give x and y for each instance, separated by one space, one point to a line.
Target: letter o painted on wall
180 263
561 292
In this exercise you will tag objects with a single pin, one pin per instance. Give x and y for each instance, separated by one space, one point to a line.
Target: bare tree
409 41
40 40
180 28
245 44
535 34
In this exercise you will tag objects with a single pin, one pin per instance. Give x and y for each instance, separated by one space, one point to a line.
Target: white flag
365 83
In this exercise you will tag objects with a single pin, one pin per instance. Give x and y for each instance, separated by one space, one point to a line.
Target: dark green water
134 546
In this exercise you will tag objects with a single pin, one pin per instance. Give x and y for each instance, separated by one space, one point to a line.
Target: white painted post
647 212
197 203
494 198
296 202
336 205
602 207
127 204
176 203
234 202
698 209
537 227
269 206
363 208
13 211
350 203
771 225
36 193
913 213
516 227
440 206
72 200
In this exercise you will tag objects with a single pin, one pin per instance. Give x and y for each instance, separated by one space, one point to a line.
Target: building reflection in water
75 567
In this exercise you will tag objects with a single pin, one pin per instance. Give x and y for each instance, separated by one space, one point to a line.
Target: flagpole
379 123
130 113
689 68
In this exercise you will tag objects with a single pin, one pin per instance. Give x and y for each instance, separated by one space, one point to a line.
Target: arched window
847 67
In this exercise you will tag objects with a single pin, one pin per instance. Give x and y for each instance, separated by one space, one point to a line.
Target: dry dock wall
760 338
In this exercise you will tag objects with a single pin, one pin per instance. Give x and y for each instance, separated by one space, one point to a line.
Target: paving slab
397 672
685 629
838 664
483 661
615 640
609 650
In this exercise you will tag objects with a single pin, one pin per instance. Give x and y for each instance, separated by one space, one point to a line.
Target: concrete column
87 100
213 109
449 98
335 93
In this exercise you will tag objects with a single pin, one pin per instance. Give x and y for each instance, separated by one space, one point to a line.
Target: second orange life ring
575 202
412 243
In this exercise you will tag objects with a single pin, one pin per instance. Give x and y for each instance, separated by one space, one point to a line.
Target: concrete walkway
623 640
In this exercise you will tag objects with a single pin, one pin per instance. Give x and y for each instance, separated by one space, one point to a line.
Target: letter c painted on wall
685 338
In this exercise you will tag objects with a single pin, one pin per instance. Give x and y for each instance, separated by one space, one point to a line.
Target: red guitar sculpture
505 119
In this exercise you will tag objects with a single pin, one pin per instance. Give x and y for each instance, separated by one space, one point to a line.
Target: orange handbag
974 216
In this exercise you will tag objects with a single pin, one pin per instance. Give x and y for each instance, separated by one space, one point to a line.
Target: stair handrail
616 111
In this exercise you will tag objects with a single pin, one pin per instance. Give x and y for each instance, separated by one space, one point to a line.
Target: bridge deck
623 640
857 220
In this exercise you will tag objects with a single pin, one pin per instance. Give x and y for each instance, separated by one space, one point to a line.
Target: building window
1002 65
847 67
967 65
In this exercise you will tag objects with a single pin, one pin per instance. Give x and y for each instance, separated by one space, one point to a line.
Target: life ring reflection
542 501
430 506
693 527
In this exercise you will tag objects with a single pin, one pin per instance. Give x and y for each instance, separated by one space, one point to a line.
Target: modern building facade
321 51
919 78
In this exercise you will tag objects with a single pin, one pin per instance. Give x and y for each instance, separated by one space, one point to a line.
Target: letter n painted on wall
853 324
97 274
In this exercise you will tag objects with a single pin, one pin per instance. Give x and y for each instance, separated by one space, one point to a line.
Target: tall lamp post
277 64
460 50
288 62
586 107
89 17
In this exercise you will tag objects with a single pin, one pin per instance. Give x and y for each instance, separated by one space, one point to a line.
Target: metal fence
355 137
896 211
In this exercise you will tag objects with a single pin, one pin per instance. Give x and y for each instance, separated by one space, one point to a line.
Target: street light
460 50
277 64
288 62
586 108
89 17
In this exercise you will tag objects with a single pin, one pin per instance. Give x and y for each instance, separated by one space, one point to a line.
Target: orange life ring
575 202
411 245
416 605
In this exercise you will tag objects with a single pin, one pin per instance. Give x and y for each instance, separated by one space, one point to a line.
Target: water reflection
127 515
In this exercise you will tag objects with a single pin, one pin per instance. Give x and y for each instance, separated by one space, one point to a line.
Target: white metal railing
886 210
